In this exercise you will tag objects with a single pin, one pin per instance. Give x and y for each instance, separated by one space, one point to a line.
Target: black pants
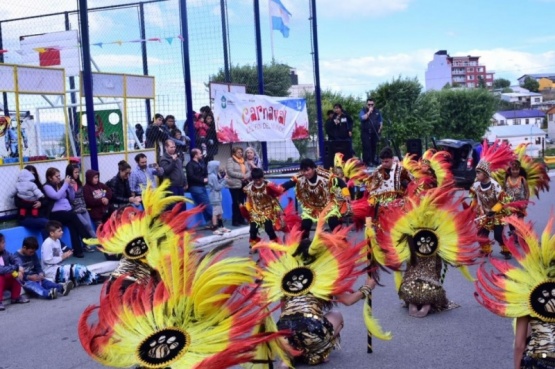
306 225
76 229
237 198
497 233
370 140
268 227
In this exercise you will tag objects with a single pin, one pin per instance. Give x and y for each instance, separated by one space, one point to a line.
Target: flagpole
271 29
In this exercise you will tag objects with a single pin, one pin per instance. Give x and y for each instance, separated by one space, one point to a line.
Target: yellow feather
466 273
373 325
398 278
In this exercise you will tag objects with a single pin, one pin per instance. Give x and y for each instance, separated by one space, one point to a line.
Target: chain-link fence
143 38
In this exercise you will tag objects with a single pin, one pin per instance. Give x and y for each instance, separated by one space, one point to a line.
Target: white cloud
358 75
511 64
362 8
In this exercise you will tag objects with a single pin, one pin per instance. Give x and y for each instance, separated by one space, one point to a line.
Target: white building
438 73
519 117
515 135
528 99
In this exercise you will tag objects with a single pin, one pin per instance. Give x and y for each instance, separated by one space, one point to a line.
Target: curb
201 243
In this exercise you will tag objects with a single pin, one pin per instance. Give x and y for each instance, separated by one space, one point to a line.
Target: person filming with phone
370 130
339 129
143 173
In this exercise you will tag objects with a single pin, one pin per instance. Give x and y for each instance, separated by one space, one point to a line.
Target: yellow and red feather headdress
435 223
525 289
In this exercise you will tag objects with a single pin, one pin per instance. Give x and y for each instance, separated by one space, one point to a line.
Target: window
502 122
471 69
550 116
538 141
536 99
517 121
470 78
526 121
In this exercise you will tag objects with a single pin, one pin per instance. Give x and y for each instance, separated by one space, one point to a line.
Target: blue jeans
42 288
200 197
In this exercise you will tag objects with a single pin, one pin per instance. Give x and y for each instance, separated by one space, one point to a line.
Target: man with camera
370 130
339 129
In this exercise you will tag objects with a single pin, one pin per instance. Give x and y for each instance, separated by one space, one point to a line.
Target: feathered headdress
354 170
194 312
495 157
431 224
193 318
527 288
329 265
136 234
536 171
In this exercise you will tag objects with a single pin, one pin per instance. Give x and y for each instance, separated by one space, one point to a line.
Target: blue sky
362 42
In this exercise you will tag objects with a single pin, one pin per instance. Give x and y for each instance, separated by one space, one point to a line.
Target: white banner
244 118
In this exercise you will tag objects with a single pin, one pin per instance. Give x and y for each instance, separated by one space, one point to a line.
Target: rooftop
530 113
516 131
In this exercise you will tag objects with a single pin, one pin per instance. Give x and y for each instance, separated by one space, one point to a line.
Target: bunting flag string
101 45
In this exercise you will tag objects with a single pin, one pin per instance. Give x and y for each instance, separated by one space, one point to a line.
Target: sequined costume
430 230
262 203
316 193
306 281
525 289
196 311
304 316
517 190
387 185
485 200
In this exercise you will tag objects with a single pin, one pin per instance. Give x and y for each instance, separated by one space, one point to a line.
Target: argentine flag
280 17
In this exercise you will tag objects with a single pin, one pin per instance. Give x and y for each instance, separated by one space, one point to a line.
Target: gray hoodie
25 187
215 184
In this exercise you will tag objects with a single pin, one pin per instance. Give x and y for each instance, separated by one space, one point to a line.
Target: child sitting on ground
10 276
34 280
53 255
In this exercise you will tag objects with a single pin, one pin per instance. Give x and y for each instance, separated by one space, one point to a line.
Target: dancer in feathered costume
315 189
307 277
525 291
135 234
430 230
535 172
432 170
188 314
489 199
262 207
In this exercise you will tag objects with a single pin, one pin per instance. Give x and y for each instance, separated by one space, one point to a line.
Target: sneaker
99 279
225 230
20 300
89 248
79 256
67 287
2 307
218 232
53 294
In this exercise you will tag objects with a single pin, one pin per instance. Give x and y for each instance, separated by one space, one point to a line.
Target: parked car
465 155
548 140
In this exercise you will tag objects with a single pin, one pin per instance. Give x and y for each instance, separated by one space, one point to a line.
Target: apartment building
457 71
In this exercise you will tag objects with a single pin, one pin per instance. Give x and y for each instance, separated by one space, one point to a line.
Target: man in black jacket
197 177
370 131
173 169
339 130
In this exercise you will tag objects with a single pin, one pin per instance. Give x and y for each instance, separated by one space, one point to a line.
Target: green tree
501 83
407 112
531 84
277 80
481 82
464 113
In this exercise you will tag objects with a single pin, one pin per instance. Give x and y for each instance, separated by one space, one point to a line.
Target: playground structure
45 139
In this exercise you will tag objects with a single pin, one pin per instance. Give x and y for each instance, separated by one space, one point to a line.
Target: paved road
43 334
